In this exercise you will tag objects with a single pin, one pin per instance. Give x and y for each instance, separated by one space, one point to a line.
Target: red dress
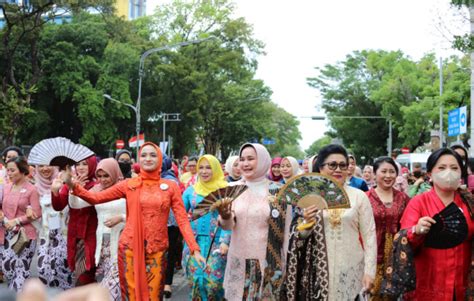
440 273
387 219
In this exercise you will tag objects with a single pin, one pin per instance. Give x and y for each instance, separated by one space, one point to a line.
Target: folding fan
58 151
450 229
215 199
314 189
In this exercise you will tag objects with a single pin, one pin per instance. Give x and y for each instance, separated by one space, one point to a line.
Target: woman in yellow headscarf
206 284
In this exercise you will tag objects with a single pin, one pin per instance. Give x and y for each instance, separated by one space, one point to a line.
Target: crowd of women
104 221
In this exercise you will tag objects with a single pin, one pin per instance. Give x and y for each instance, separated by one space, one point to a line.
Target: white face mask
447 179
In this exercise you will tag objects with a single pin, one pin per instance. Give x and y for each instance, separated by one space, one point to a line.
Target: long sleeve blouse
15 204
82 225
348 261
440 273
155 203
104 212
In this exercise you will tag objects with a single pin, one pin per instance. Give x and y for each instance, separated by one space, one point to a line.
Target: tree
390 85
20 51
317 145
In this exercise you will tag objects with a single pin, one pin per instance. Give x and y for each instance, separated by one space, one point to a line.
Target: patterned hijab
217 180
264 161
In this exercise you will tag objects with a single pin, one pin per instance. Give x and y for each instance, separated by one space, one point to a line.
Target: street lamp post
137 115
389 140
141 68
141 73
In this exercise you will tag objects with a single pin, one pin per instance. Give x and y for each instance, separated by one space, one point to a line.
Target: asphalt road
180 286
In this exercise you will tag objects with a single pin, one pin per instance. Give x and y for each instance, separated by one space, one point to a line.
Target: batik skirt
155 265
53 270
107 271
16 267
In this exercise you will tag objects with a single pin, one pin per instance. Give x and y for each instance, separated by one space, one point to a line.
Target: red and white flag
132 142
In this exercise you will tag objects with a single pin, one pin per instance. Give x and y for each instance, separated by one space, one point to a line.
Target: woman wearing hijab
52 252
144 240
256 257
289 168
124 159
213 241
441 273
82 226
232 169
274 173
111 220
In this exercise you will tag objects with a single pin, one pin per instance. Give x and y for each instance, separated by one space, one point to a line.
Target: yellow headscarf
217 181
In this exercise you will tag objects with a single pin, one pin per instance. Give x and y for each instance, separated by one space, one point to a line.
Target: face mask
447 179
125 168
417 174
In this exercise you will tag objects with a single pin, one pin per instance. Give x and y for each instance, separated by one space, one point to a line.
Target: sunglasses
335 165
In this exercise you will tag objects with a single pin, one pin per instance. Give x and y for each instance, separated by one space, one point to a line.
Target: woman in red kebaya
388 205
441 274
144 240
82 226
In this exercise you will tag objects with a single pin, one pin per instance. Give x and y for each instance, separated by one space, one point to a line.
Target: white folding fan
58 151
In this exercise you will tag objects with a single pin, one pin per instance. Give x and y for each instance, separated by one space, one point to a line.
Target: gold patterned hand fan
314 189
216 198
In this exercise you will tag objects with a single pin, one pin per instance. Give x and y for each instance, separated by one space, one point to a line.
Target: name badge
275 213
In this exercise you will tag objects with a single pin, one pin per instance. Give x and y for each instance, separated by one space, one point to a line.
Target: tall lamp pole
137 115
389 140
141 72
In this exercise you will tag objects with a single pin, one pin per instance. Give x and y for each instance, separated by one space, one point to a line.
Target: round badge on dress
275 213
164 186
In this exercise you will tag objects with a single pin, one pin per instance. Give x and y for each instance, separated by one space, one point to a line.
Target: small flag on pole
132 142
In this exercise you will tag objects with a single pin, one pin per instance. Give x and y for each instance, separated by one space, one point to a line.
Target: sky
303 34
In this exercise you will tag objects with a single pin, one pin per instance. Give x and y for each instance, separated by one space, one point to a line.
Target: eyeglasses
335 165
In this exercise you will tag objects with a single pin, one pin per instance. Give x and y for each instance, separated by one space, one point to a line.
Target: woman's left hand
113 221
223 248
200 260
30 214
367 282
10 224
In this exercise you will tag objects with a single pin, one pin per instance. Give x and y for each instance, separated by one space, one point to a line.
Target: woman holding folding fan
442 261
144 240
388 205
345 265
206 284
82 226
256 258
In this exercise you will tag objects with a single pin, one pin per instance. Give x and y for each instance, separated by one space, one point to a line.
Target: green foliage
317 145
211 84
390 85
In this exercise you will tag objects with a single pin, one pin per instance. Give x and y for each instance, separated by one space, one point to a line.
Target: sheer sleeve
367 231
